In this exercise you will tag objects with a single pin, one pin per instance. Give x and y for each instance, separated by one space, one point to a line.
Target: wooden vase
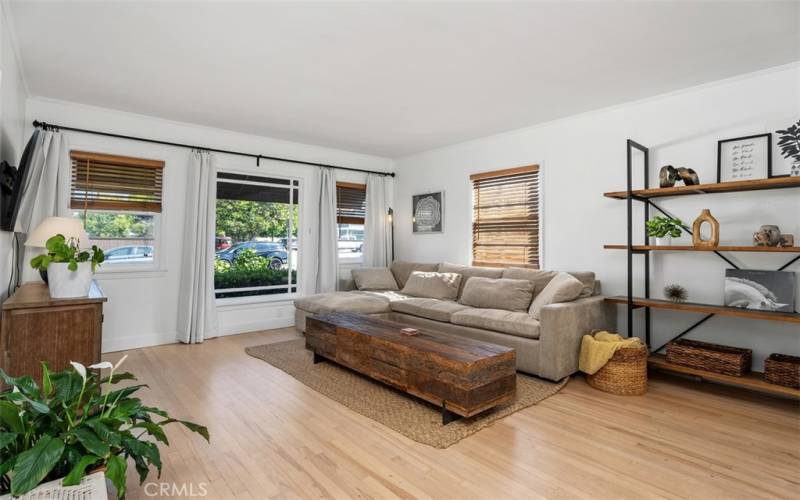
697 239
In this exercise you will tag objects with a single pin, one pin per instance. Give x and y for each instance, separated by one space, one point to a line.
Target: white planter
66 284
664 241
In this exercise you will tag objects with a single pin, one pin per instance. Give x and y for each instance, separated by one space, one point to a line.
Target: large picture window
351 209
256 235
505 220
118 198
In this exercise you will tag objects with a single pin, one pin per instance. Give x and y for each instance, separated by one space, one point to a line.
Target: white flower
123 358
80 369
105 365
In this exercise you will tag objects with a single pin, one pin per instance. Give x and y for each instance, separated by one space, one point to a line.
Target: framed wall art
744 158
428 213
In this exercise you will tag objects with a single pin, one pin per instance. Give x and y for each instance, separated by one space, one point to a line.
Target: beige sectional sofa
547 347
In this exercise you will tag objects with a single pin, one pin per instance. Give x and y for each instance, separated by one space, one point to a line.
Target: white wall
584 156
142 306
12 126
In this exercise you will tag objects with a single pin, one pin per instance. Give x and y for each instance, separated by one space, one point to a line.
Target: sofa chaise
547 340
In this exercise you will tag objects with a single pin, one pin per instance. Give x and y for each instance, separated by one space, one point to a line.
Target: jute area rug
412 417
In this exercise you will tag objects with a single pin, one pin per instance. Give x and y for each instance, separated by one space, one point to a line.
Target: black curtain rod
50 126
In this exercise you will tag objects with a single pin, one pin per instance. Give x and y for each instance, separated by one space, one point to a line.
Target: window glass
125 237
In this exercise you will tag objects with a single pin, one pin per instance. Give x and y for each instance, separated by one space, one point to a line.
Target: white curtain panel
327 262
197 310
39 198
377 230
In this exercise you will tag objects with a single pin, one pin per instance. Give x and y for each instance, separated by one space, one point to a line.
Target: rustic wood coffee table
463 376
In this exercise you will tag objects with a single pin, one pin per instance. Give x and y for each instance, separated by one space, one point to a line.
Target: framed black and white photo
428 215
744 158
763 290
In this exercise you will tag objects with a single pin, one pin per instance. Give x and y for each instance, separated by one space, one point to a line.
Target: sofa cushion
435 309
374 278
519 324
468 272
356 302
540 279
562 288
402 269
509 294
432 285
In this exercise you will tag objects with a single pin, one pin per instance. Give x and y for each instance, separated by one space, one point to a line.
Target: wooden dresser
36 328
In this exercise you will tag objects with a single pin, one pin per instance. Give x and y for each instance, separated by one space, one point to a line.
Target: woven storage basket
782 369
625 374
710 357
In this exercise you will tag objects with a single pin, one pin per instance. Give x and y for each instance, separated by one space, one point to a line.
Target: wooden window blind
109 182
351 203
505 220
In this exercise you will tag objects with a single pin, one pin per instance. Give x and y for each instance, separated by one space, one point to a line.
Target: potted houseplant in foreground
663 229
69 269
75 422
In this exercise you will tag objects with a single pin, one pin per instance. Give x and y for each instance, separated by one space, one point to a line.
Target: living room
430 220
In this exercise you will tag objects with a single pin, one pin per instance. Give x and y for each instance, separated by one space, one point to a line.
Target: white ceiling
389 79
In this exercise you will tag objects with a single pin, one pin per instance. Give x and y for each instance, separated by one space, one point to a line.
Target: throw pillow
374 278
501 293
562 288
432 285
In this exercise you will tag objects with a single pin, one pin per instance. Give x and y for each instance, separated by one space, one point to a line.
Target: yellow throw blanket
598 349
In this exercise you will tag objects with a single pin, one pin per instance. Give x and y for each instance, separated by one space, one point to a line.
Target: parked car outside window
274 252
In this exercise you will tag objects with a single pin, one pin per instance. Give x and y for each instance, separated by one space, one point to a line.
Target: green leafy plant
789 142
660 226
77 421
59 249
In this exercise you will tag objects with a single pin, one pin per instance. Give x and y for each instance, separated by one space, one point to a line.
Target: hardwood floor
272 437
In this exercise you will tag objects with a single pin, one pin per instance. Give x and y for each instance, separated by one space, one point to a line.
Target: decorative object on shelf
667 176
69 269
787 240
710 357
782 369
744 158
789 142
663 229
428 216
762 290
676 293
64 434
767 236
697 236
688 176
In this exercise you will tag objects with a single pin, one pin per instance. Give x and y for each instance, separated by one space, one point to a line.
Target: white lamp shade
51 226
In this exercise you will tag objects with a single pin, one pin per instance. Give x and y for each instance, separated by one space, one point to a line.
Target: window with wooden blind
351 210
119 200
505 220
109 182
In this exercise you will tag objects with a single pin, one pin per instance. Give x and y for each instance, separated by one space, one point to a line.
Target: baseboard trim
139 341
253 326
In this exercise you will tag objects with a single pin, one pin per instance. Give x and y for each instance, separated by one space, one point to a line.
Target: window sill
254 300
129 273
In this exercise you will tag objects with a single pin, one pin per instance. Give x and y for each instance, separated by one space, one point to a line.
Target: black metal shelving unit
646 196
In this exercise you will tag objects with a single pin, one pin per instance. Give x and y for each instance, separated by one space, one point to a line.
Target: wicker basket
625 374
782 369
710 357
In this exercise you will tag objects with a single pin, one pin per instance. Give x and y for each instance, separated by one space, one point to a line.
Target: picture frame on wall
744 158
760 290
428 213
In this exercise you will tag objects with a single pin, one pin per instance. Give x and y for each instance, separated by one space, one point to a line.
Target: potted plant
663 229
69 269
76 422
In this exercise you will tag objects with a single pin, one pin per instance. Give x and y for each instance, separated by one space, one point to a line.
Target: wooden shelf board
721 248
708 309
722 187
753 380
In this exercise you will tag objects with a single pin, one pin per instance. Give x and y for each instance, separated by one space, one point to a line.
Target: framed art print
762 290
428 216
744 158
